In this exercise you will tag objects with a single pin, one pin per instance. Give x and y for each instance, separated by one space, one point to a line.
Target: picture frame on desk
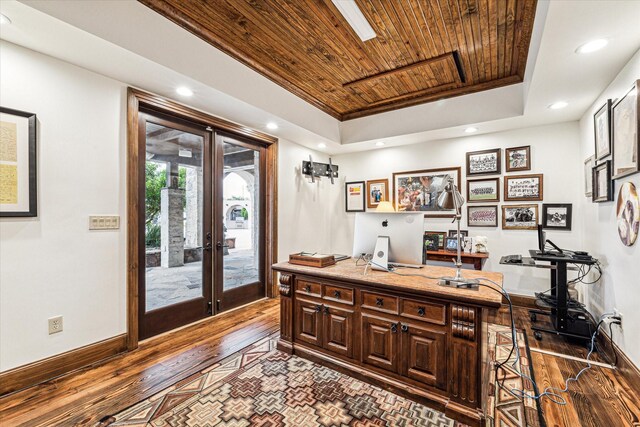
451 244
441 238
463 233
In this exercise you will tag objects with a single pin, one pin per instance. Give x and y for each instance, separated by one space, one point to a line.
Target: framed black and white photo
602 185
486 162
482 216
625 117
523 188
483 190
454 233
556 216
519 217
419 190
602 130
589 163
18 174
518 158
451 244
355 196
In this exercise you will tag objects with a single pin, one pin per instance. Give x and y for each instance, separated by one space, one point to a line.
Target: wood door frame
137 99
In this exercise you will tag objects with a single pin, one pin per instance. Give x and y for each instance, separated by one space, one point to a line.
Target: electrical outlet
617 313
55 325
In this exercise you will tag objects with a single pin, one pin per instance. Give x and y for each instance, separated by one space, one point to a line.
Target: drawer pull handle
336 294
326 310
307 289
394 328
318 308
379 302
421 311
405 328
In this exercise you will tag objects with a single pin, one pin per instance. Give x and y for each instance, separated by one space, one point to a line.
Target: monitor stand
380 258
558 252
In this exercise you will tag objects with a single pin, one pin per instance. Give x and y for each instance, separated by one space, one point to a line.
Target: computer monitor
404 230
542 244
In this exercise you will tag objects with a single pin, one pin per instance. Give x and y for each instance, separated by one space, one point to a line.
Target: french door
202 222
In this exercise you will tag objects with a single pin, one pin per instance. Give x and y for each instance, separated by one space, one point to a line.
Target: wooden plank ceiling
424 50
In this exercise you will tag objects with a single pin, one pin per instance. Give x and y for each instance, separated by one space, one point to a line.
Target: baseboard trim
46 369
625 365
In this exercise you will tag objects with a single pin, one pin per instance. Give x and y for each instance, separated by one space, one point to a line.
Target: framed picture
451 244
486 162
419 190
556 216
625 117
523 187
377 191
602 185
18 174
441 236
463 233
483 190
588 175
520 217
518 158
354 196
602 130
482 216
628 214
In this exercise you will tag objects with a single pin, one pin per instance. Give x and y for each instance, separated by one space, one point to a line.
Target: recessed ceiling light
352 13
184 91
592 46
558 105
272 126
471 129
379 144
4 19
322 145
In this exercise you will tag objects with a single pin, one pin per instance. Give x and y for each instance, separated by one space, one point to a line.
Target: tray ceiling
424 50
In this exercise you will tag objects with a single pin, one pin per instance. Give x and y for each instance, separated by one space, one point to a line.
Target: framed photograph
354 196
520 217
556 216
518 158
602 130
451 244
602 185
441 236
483 190
625 117
482 216
486 162
588 175
463 233
18 174
419 190
377 191
523 188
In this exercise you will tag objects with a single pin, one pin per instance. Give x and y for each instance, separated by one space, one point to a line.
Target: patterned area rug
260 386
509 409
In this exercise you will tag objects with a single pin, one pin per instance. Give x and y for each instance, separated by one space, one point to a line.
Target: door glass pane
173 216
241 216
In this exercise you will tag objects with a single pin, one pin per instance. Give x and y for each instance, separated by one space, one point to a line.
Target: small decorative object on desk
628 214
481 244
312 259
468 244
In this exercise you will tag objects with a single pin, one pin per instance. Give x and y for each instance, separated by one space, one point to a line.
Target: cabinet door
338 330
380 342
308 322
424 355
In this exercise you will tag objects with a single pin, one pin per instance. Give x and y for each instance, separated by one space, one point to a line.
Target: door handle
219 245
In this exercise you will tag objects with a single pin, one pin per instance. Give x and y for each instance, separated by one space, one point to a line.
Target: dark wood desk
402 333
477 259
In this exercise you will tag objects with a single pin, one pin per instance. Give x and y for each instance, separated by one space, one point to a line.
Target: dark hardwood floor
602 397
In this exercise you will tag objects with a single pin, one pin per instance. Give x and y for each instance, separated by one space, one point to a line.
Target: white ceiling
125 40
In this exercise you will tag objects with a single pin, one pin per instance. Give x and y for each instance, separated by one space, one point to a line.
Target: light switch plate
104 222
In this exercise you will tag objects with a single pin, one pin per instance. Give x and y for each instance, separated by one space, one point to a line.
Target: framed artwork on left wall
354 196
18 173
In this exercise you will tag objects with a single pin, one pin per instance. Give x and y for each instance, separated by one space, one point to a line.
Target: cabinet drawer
380 302
309 288
338 294
426 311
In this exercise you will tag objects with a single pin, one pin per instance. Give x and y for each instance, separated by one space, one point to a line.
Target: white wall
53 265
552 147
620 284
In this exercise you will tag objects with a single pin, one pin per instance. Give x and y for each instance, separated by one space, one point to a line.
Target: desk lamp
451 198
